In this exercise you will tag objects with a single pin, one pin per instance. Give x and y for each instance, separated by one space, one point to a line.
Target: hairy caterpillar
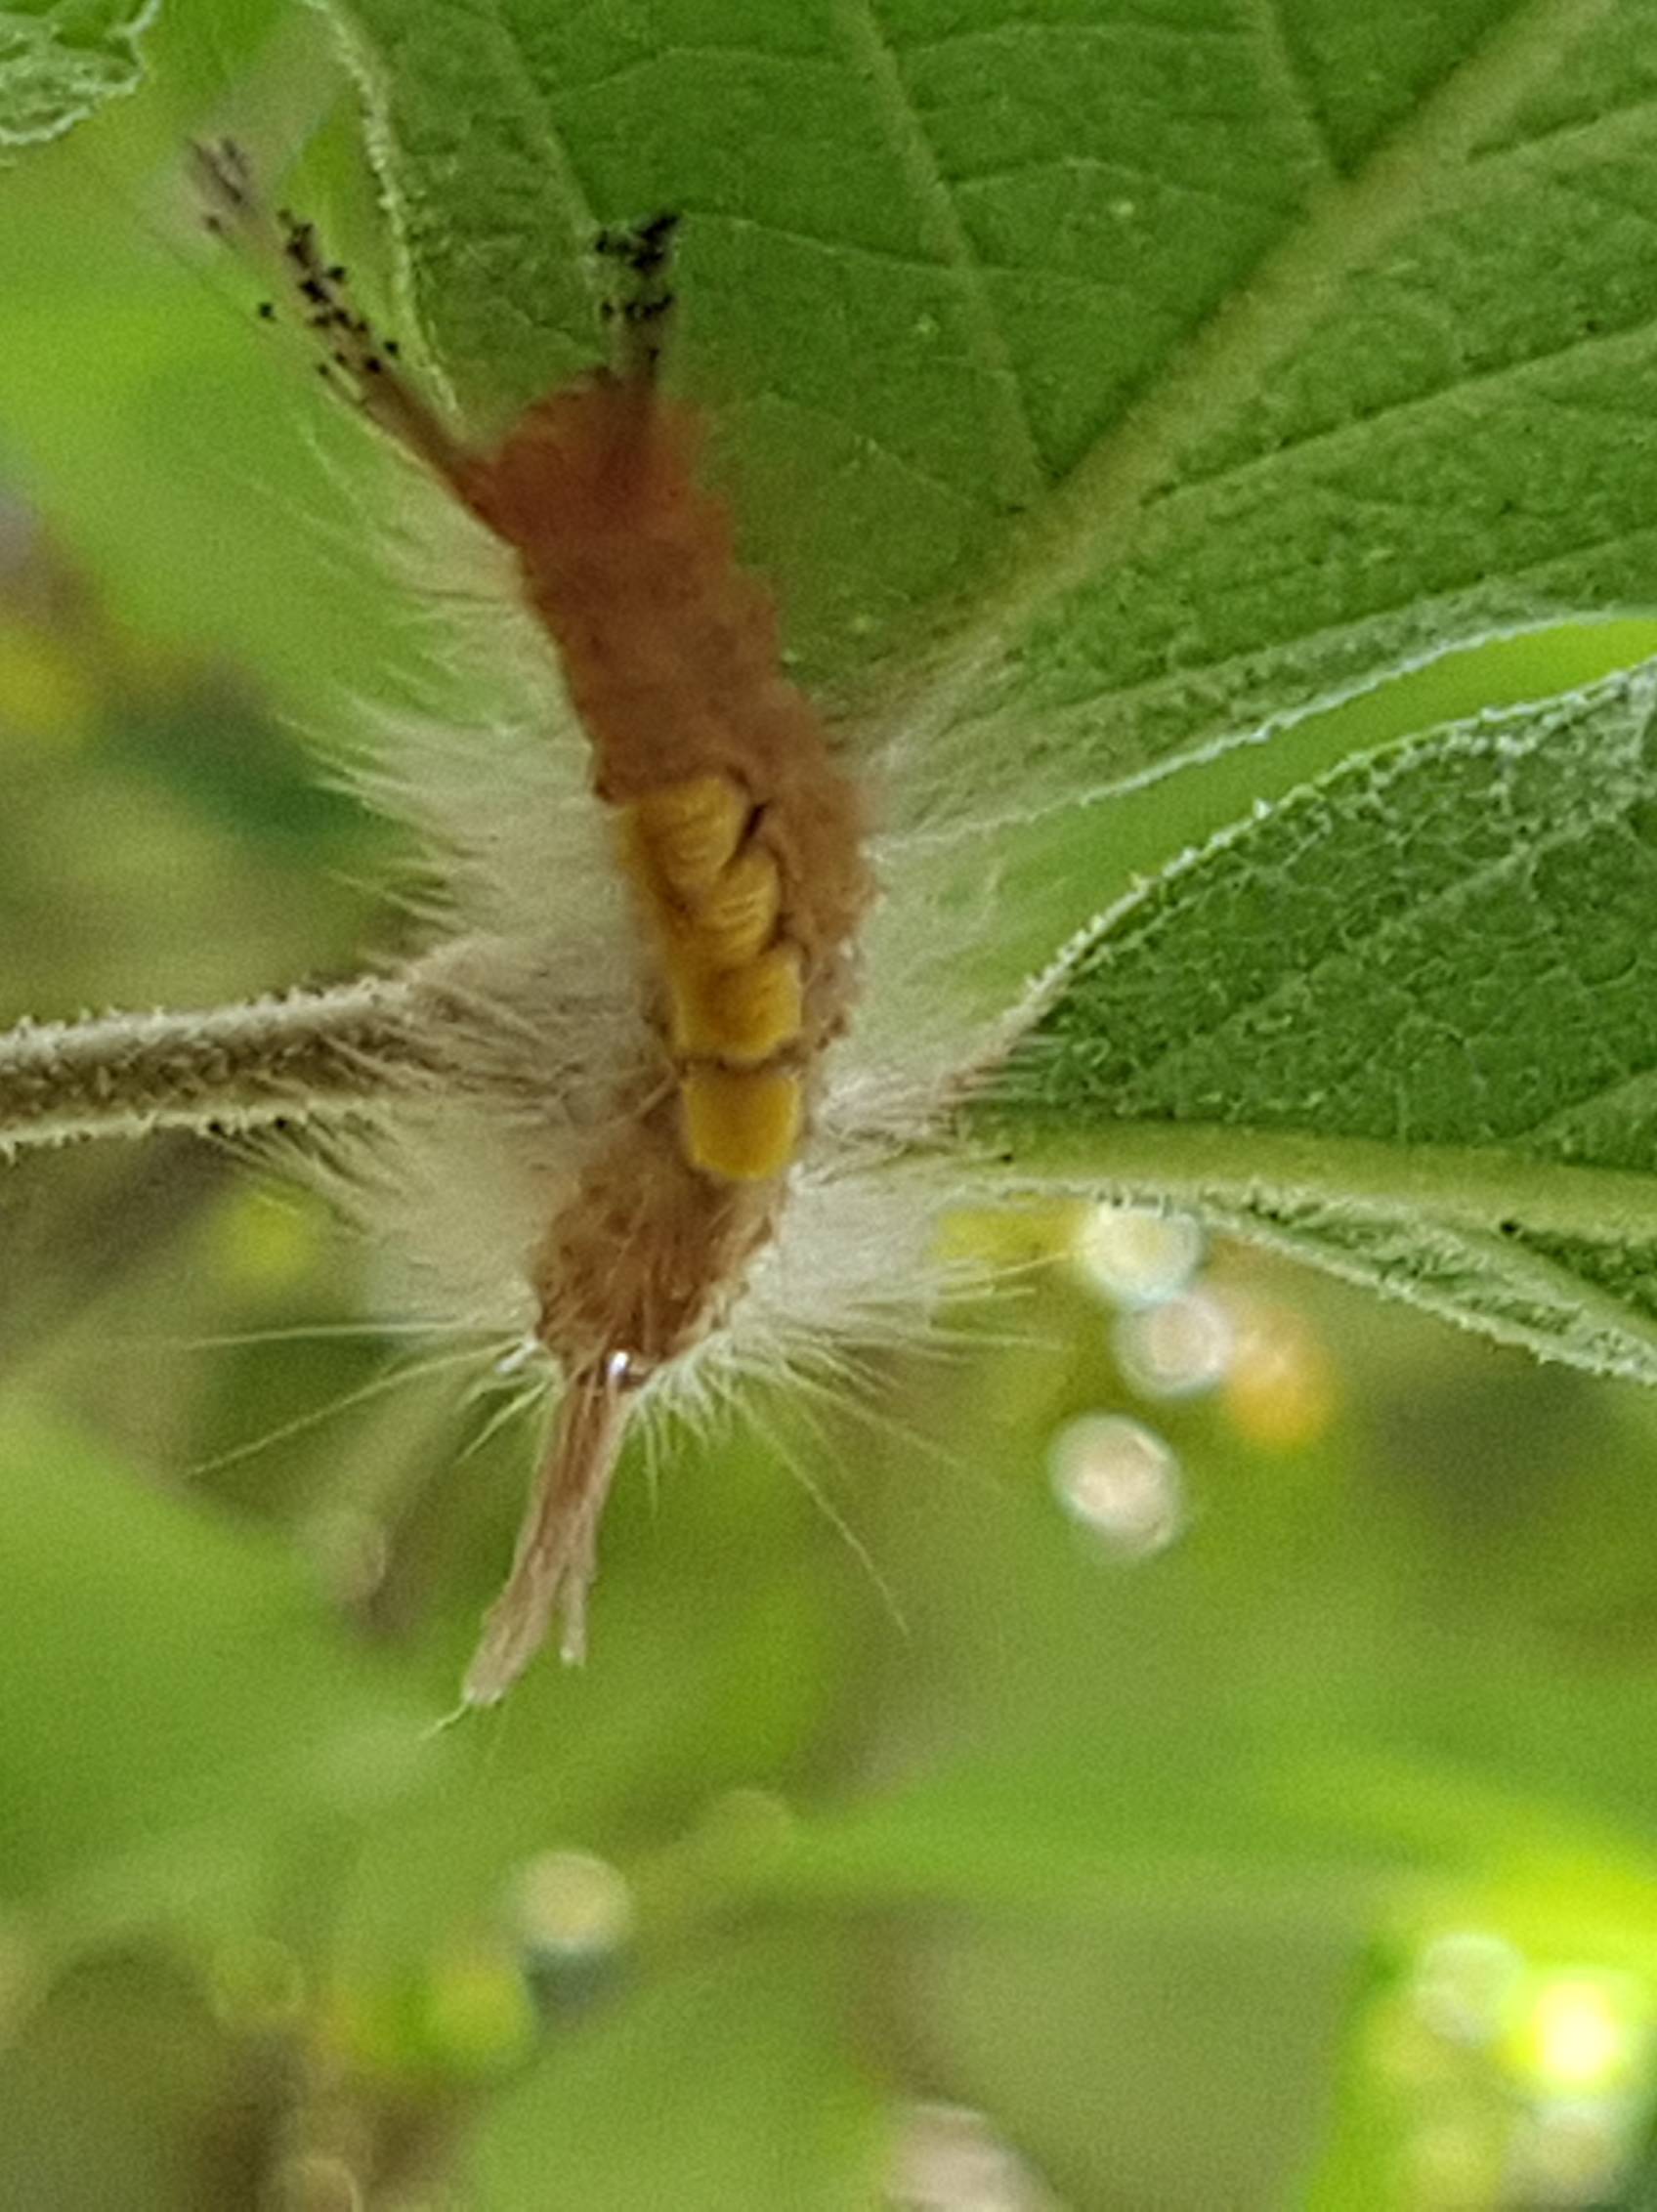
670 1185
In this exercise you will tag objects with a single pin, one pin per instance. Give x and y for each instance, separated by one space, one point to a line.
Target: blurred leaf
726 2082
1164 1810
105 1218
123 2095
706 1677
1153 2069
172 439
177 1712
62 58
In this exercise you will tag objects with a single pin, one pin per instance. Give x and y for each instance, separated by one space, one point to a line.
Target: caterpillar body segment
744 1123
741 1016
686 834
735 984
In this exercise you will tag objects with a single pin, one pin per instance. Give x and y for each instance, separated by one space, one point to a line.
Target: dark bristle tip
393 348
267 311
336 273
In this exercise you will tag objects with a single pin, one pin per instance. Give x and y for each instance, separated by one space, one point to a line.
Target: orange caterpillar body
743 840
739 836
742 836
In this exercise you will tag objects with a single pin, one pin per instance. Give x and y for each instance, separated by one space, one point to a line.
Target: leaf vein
1285 76
879 66
1082 165
561 160
1128 27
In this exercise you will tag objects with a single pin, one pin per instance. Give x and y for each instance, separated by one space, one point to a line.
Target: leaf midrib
1470 1187
1522 1268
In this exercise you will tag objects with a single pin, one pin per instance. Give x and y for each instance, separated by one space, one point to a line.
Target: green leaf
1404 1025
62 58
1230 355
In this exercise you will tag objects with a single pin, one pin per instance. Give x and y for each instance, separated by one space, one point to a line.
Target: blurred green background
1218 1770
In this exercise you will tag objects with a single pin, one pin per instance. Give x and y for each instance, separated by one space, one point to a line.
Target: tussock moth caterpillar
634 1141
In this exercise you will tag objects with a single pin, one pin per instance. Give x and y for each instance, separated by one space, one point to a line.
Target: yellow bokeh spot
1582 2033
318 2182
267 1243
1280 1392
573 1906
479 2013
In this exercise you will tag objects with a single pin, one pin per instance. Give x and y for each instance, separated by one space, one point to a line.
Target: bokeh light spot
478 2012
1120 1481
1280 1389
1178 1348
1582 2032
949 2159
572 1905
1137 1257
1465 1985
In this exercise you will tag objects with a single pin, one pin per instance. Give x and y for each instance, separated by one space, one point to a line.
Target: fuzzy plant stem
299 1057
